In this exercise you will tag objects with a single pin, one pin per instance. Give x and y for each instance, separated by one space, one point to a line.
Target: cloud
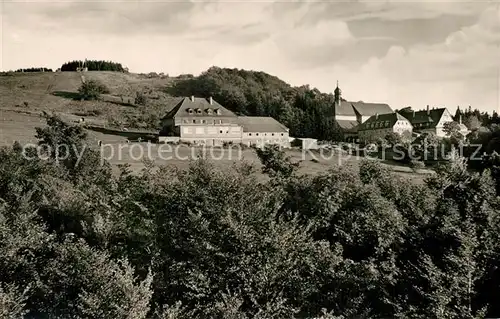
424 9
91 17
464 69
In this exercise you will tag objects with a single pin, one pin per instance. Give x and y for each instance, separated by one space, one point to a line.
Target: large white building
206 122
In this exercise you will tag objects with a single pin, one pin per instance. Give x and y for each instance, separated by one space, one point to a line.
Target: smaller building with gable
378 126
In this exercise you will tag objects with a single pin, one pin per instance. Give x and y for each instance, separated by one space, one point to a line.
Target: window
203 121
194 121
257 134
190 111
272 134
249 134
281 134
185 121
221 131
198 111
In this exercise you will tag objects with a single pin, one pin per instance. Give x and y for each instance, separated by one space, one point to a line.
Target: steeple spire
337 93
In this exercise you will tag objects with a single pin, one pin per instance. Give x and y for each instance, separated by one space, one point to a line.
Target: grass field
56 92
25 96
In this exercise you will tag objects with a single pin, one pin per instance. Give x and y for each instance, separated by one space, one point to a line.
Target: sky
404 53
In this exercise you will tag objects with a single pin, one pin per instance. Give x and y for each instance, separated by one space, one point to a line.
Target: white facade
379 129
262 138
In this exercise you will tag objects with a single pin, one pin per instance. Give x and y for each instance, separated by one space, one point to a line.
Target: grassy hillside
57 92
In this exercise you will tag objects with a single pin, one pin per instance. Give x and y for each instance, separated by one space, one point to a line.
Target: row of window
384 124
265 134
422 124
209 130
185 121
208 111
378 124
200 130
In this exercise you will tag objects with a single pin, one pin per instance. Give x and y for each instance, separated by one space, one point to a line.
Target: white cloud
461 71
422 9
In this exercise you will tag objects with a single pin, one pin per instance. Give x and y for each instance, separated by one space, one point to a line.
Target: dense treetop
77 241
39 69
93 65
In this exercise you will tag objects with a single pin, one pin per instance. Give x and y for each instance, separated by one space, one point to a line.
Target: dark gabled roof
346 125
182 108
345 108
369 109
261 124
361 108
389 119
428 118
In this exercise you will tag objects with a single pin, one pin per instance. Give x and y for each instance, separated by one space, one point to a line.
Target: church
348 115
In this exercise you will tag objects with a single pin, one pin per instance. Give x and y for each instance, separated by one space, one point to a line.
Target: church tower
337 99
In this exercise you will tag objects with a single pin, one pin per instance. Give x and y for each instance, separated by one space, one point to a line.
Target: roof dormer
209 111
198 111
190 111
217 111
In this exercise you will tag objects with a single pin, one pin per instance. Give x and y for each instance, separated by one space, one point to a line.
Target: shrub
416 165
275 161
92 90
393 138
140 98
12 302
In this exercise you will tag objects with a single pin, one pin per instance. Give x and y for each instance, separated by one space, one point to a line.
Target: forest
93 65
77 241
40 69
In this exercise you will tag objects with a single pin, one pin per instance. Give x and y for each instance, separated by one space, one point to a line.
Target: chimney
211 101
460 119
376 116
413 113
192 98
428 110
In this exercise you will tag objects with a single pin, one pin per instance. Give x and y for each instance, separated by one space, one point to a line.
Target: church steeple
337 98
337 93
